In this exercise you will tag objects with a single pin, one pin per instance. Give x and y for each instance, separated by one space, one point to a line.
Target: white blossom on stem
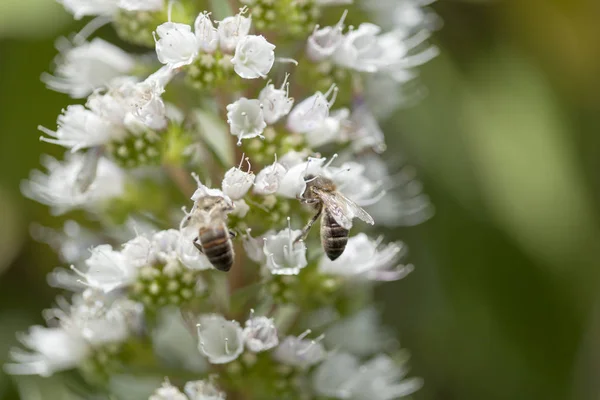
246 119
310 113
142 5
276 102
260 334
82 68
232 29
297 351
269 178
254 57
366 259
84 8
206 33
176 45
236 182
59 189
203 390
285 255
322 43
220 340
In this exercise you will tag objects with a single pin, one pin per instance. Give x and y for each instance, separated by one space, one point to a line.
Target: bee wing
342 209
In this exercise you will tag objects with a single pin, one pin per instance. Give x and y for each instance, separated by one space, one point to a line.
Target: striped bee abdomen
217 246
333 236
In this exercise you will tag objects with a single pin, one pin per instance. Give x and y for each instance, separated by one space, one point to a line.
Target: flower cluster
262 117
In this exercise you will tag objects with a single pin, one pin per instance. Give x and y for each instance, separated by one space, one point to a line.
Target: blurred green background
503 303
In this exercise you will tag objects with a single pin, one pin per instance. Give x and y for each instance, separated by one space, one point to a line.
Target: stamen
304 334
226 345
286 60
333 157
90 28
170 10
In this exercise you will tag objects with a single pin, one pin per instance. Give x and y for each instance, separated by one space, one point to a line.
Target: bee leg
232 234
309 225
198 245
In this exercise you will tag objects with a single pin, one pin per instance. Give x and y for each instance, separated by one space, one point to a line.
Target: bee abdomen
217 247
333 237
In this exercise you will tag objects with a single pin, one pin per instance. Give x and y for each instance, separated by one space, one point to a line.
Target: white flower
220 340
253 246
168 392
177 45
206 34
330 129
232 29
268 179
276 102
173 343
80 128
84 8
204 191
246 119
59 188
365 132
293 183
236 182
322 43
53 350
364 258
349 334
142 5
188 254
360 49
342 377
88 66
310 113
300 352
108 269
284 255
333 377
99 319
240 208
203 390
144 99
351 180
254 57
260 334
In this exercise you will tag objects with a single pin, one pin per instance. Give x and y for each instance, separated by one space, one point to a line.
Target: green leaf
216 137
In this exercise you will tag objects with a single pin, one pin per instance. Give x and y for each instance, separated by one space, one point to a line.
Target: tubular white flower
299 351
176 45
220 340
269 178
360 49
203 390
364 258
310 113
108 269
206 33
330 129
144 99
349 334
284 255
88 66
168 392
232 29
80 128
253 246
205 191
293 183
59 189
351 180
52 350
84 8
173 344
276 102
142 5
260 334
254 57
236 182
333 377
322 43
246 119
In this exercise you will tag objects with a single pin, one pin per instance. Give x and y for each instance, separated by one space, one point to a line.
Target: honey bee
336 212
214 237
